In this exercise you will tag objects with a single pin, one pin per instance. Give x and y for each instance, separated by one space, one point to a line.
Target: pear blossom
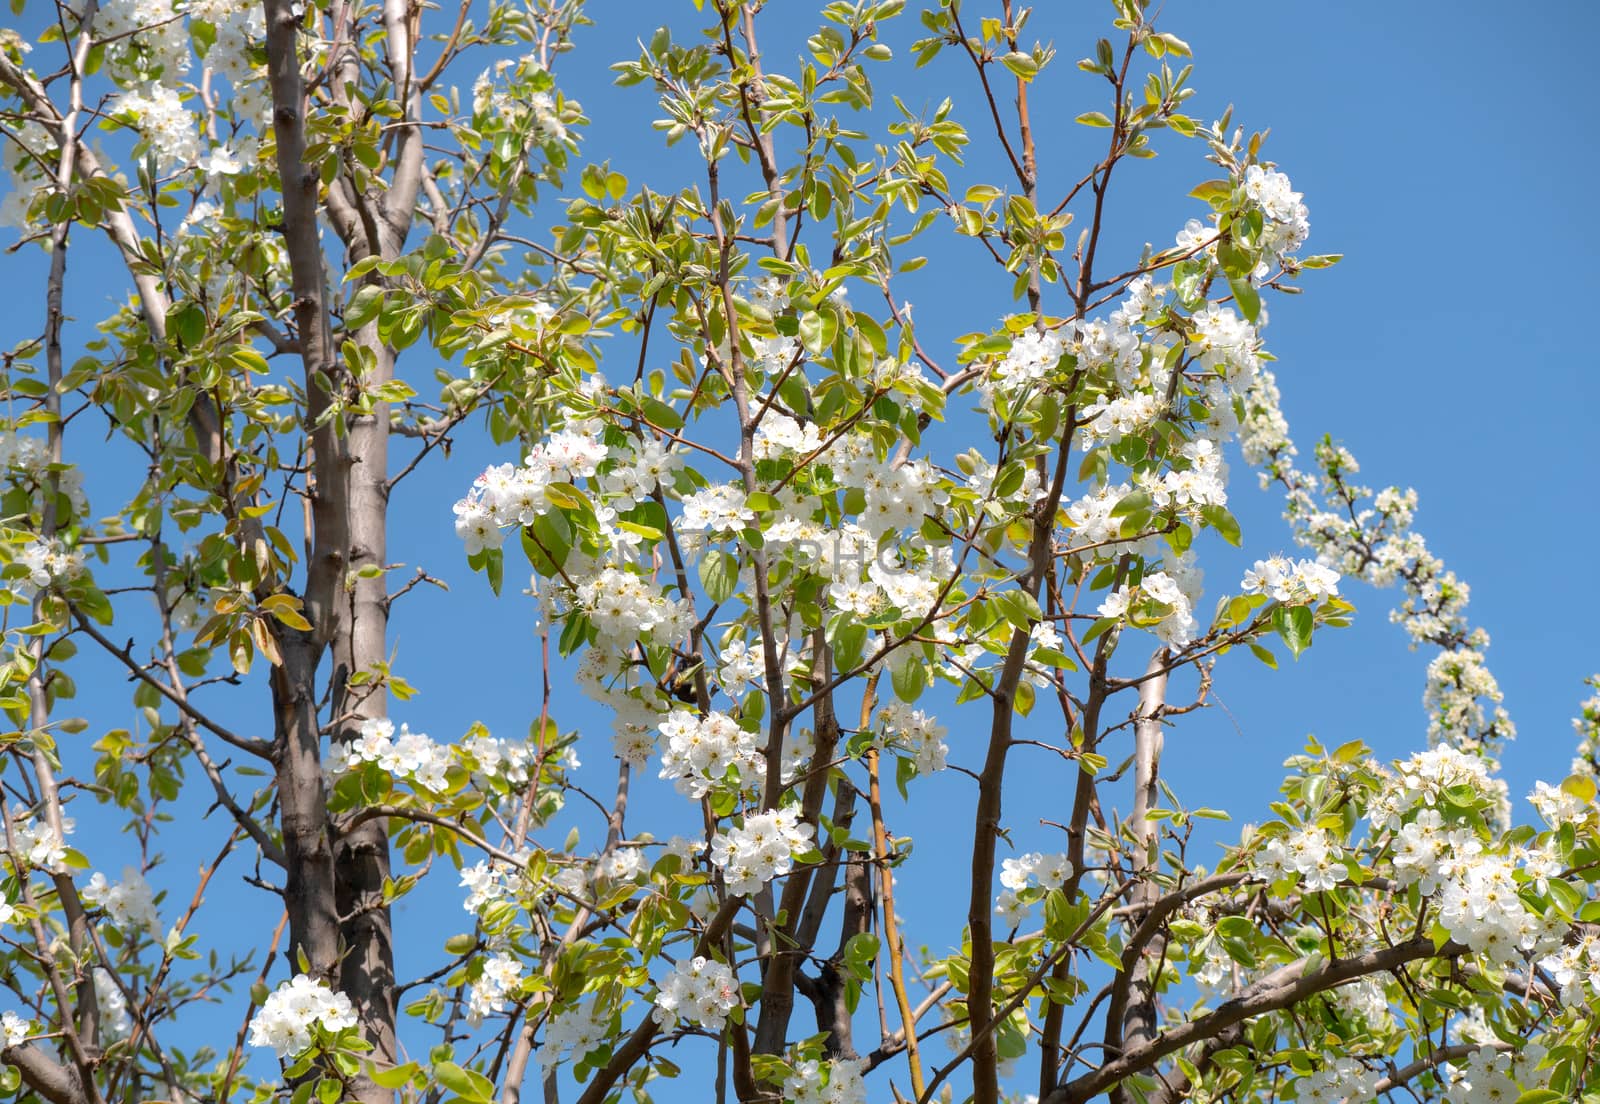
285 1020
699 990
14 1030
574 1032
763 847
130 904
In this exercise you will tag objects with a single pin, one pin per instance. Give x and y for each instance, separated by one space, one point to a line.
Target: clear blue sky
1445 149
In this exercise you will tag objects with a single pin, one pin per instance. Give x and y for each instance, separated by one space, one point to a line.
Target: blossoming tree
763 540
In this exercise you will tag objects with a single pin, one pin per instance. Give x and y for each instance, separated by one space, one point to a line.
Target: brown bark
1131 1015
1285 986
337 915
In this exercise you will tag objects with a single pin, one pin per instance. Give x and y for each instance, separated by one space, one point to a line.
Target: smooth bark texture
1131 1013
338 914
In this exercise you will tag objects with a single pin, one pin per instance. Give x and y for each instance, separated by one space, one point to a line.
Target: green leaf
1019 608
1094 119
365 305
1021 65
1214 192
1540 1096
660 414
1580 786
1567 898
1050 657
817 330
904 771
1264 655
719 574
1226 525
464 1083
910 679
395 1076
567 496
1062 918
1132 503
187 322
1294 624
859 954
1173 44
1248 298
494 563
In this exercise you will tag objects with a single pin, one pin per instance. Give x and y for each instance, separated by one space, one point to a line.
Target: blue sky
1443 148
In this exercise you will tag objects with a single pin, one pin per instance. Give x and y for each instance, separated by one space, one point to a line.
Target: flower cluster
1287 222
1491 1074
37 841
720 509
488 881
505 495
698 752
1457 686
760 849
779 435
1482 909
410 755
1559 805
1425 779
130 904
1110 420
285 1019
1292 582
146 39
1162 601
522 102
575 1031
741 669
1051 869
426 763
1342 1081
918 733
612 678
837 1082
1018 875
1198 479
14 1030
26 458
50 562
1032 355
701 991
622 606
629 480
1366 1002
22 160
1574 966
114 1018
492 992
1426 853
1227 345
164 124
237 26
619 864
1309 855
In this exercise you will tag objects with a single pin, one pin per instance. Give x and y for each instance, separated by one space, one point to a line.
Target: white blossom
699 990
285 1020
130 903
14 1030
760 849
